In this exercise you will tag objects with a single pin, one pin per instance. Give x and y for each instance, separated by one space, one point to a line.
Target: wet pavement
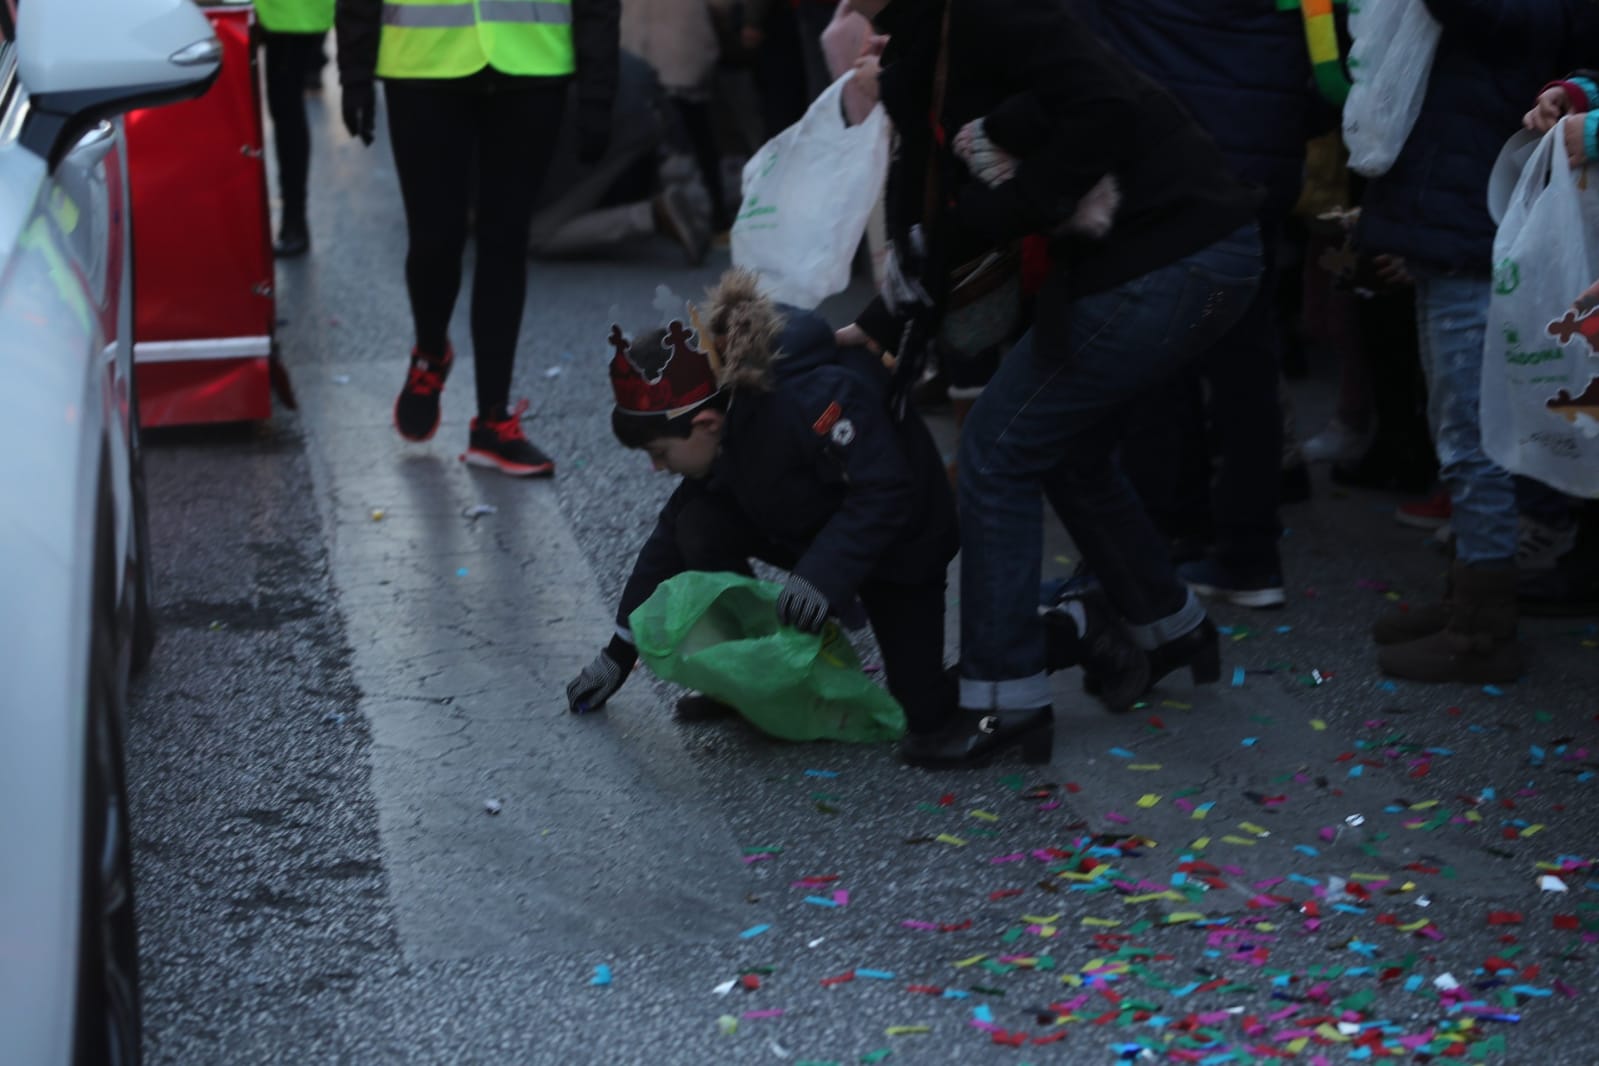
358 656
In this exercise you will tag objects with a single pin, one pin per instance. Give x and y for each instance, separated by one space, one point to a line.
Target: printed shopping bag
807 196
1540 400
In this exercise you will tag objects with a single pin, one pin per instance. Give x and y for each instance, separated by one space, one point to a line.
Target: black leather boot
294 237
1115 670
1199 650
977 737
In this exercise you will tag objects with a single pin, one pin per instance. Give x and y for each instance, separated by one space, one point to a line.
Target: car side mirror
82 61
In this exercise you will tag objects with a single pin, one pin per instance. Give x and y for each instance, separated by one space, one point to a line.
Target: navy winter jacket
841 491
1240 67
1493 57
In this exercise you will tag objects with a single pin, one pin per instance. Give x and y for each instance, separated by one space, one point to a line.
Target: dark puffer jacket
1493 57
812 458
1240 67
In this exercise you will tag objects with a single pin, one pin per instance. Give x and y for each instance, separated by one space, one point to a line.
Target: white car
74 574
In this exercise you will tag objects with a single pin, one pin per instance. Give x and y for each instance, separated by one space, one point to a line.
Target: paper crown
670 380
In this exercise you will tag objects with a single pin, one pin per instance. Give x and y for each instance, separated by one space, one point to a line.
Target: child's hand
1552 104
1576 146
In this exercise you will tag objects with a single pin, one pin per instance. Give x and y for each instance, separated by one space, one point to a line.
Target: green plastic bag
717 633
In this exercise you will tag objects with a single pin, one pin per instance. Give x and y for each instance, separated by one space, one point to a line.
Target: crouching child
788 454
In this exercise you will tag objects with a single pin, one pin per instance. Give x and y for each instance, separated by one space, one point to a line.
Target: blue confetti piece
752 931
983 1014
1285 629
1238 677
956 993
821 773
1301 879
1281 980
1179 878
1306 849
1493 690
1586 775
821 901
1388 686
1530 990
602 976
1360 1054
1186 990
462 572
1250 742
1348 908
1357 770
1413 982
1122 753
875 975
1357 971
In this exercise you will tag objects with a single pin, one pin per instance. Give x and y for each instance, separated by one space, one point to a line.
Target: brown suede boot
1409 622
1477 645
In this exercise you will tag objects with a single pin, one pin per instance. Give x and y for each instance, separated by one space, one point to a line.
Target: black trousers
908 620
485 140
289 58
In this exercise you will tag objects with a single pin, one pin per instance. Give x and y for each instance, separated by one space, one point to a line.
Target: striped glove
802 605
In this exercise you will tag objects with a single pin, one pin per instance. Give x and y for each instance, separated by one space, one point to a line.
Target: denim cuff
1020 694
1187 618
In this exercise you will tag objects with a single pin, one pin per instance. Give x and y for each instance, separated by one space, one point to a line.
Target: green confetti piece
983 990
1359 1001
1014 782
763 851
877 1056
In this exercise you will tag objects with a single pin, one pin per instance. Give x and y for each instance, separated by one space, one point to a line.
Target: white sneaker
1337 444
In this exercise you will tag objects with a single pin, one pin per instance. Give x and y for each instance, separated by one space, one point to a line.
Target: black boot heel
1038 744
1206 669
1199 650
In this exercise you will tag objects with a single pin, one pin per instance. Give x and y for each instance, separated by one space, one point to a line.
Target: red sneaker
1430 513
503 446
416 411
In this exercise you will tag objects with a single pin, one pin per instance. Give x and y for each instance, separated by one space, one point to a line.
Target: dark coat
1494 55
1177 192
823 472
1240 67
595 36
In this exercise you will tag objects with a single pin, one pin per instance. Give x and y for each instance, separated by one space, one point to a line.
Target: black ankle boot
1115 670
294 238
1199 649
978 736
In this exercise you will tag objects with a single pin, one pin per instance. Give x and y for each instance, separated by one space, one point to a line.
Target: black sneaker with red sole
502 446
416 412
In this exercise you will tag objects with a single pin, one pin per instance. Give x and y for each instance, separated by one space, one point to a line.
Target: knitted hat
672 379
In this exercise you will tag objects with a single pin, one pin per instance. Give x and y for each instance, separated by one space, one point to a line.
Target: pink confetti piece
841 897
1119 819
754 1015
749 859
926 927
1018 857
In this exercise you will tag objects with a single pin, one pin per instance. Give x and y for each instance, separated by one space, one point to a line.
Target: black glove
802 605
601 678
359 106
593 132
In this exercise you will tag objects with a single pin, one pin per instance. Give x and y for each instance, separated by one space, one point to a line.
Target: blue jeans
1451 325
1050 422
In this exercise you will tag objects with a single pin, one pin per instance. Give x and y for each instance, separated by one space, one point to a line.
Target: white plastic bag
1389 65
807 195
1539 361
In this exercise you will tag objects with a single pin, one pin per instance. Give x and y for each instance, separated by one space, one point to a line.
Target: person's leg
1052 419
1478 641
1166 457
1247 429
1453 319
430 130
517 123
288 56
908 621
696 116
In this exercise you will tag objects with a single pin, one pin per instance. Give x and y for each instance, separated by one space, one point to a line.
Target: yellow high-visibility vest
454 38
295 16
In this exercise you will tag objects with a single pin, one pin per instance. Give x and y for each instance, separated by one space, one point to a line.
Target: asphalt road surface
357 658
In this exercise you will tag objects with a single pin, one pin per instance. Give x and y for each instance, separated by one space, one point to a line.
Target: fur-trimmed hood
744 325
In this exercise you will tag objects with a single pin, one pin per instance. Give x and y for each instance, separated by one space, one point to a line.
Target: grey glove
601 678
802 605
